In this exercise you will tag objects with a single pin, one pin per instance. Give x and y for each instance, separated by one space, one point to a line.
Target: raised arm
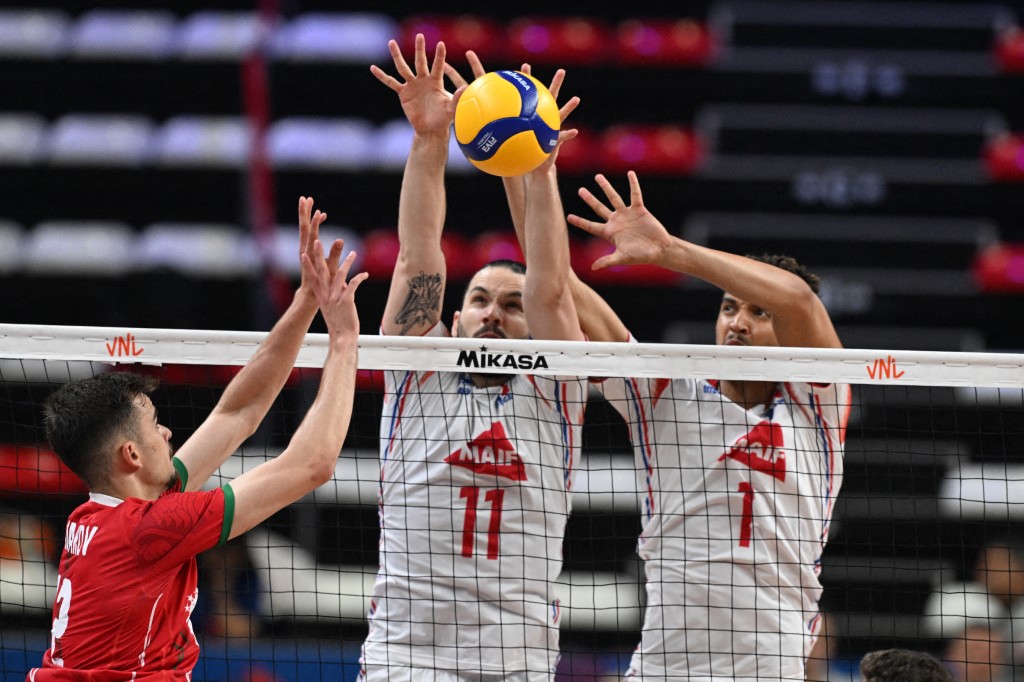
310 458
596 318
247 399
417 286
547 301
798 315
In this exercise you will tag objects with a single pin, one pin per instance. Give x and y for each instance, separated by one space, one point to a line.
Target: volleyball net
915 477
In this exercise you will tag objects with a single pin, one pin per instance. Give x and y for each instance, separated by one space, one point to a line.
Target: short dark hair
513 265
82 416
903 665
790 264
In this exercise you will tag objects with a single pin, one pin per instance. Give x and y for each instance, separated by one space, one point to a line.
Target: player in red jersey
128 582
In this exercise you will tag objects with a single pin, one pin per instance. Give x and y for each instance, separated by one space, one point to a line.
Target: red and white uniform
474 497
128 585
736 514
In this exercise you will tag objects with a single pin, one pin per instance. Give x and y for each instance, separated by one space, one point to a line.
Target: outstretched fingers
593 227
454 76
636 197
402 66
556 83
437 67
335 254
475 65
305 222
595 204
614 198
342 284
568 108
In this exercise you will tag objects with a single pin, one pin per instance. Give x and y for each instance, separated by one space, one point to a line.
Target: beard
460 331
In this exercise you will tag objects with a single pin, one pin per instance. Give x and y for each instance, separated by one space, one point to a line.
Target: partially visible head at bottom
902 665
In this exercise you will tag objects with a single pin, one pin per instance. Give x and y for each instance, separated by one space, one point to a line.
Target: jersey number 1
471 494
747 519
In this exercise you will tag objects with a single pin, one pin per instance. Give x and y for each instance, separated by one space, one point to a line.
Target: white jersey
474 497
736 508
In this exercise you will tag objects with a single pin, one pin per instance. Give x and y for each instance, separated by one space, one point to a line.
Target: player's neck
747 394
488 380
124 488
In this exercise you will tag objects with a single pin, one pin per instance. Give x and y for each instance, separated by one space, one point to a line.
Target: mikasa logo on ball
487 142
519 79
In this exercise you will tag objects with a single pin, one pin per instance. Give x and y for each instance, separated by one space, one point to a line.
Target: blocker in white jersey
476 469
474 499
740 475
736 513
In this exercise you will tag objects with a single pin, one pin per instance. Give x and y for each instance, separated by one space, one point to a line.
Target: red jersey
128 583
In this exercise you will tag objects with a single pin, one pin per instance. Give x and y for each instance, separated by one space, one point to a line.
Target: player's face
493 306
743 324
154 441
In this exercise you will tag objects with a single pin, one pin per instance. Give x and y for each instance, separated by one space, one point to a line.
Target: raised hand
477 67
638 236
334 292
309 234
426 103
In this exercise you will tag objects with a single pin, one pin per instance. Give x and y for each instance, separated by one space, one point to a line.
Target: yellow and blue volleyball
506 123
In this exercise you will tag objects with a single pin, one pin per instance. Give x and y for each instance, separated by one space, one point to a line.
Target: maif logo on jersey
761 450
491 453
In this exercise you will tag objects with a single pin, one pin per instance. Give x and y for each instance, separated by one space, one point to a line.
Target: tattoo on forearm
423 305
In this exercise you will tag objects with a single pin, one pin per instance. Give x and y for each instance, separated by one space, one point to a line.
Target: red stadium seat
581 154
1009 51
1004 157
496 245
380 253
458 257
663 150
459 33
1000 268
664 43
31 470
559 41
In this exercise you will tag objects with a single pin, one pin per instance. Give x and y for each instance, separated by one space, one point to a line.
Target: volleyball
506 123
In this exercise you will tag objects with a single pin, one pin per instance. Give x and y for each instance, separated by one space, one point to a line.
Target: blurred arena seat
319 36
1004 157
999 268
568 41
95 248
33 33
217 35
218 141
460 33
661 150
21 138
123 34
664 42
285 246
199 250
12 236
100 140
1009 49
326 143
380 252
